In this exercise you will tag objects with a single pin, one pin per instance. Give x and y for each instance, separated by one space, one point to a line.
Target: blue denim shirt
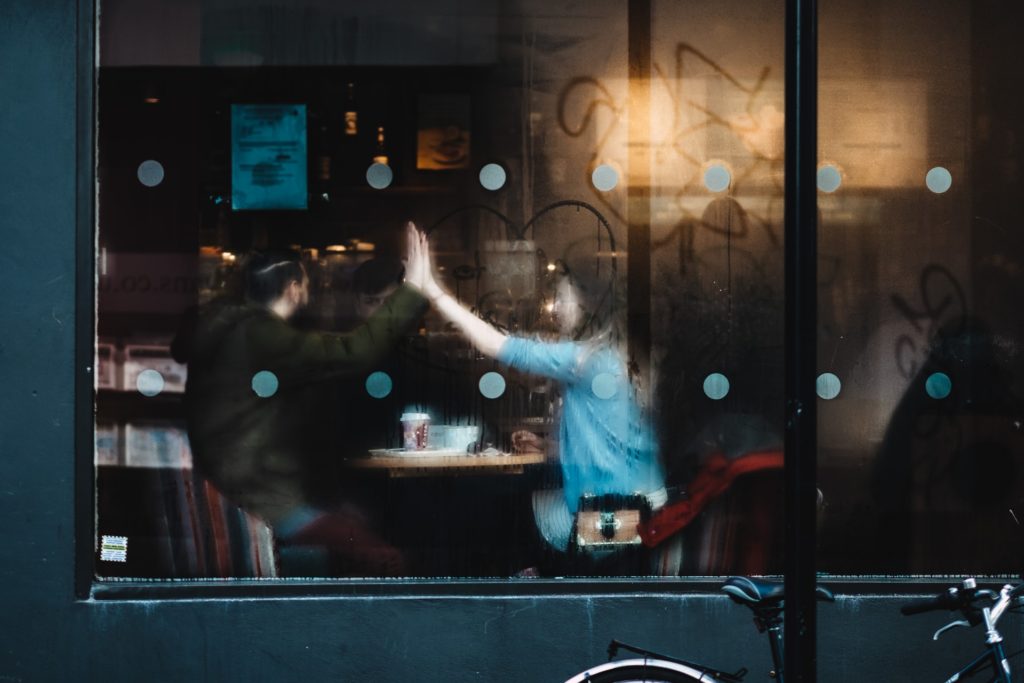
604 445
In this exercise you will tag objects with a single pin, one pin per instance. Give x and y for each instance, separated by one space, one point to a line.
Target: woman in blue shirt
605 446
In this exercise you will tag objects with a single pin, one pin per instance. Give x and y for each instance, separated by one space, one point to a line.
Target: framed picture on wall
443 132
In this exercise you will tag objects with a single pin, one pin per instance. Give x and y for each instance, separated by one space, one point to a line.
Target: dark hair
376 275
267 274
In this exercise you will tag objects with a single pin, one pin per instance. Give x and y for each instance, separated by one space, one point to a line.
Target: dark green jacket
257 450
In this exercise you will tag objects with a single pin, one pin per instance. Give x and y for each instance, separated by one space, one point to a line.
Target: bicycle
978 606
764 598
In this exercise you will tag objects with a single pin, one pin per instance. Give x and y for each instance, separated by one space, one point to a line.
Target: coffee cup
415 430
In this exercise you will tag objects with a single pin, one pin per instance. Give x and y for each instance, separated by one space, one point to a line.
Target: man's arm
298 356
308 356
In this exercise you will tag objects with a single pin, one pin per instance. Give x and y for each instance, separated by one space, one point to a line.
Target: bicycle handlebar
965 599
949 600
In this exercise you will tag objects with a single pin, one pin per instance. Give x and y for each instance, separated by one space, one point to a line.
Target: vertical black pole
638 208
801 338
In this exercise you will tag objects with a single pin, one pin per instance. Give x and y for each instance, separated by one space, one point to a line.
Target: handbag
609 522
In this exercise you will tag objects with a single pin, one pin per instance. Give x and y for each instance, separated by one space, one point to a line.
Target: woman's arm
480 333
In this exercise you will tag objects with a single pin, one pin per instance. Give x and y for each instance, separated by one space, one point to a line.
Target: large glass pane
920 268
592 388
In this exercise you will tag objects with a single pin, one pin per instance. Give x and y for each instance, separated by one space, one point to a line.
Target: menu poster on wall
268 156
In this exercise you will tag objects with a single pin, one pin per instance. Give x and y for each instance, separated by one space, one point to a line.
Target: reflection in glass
920 461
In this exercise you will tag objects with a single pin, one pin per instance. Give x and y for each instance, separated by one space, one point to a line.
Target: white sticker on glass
829 178
716 386
150 173
828 386
604 386
492 385
938 385
717 178
379 175
605 178
149 382
492 177
114 548
379 384
264 384
938 180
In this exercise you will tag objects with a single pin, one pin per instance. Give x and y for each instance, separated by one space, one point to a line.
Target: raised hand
430 287
417 262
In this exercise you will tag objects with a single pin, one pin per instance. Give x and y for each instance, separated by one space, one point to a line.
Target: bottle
320 143
322 162
380 157
351 112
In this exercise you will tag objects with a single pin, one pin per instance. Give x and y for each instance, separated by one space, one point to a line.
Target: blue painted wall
49 636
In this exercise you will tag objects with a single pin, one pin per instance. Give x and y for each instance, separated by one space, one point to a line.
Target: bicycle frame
994 655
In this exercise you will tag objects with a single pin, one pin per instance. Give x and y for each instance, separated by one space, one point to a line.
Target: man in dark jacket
251 377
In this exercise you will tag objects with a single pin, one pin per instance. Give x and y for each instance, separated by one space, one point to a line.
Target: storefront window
593 385
570 363
920 425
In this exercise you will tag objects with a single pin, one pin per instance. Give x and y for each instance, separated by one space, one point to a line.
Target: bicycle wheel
642 671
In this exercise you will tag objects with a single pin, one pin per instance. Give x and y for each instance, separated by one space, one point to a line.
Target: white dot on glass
264 384
492 177
938 180
717 178
829 179
605 178
378 384
716 386
938 385
492 385
604 386
379 175
828 386
150 173
149 382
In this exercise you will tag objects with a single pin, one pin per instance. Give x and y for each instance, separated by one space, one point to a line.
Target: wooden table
445 463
